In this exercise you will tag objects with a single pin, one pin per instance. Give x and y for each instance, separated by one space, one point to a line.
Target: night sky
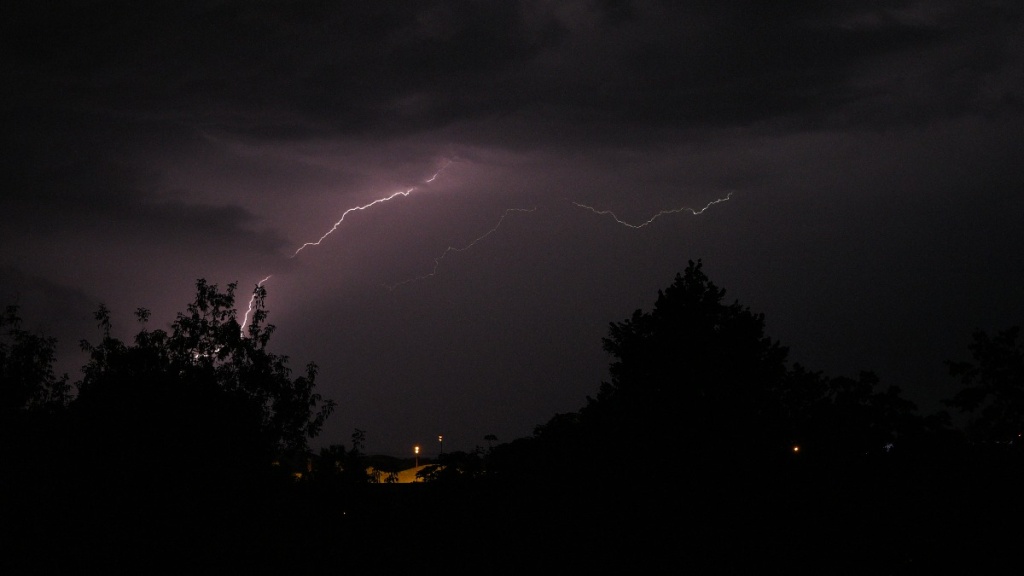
866 159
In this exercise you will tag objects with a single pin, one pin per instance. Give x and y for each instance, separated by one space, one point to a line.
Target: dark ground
957 515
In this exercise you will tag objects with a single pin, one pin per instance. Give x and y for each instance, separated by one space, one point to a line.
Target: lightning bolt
252 300
365 206
450 249
653 218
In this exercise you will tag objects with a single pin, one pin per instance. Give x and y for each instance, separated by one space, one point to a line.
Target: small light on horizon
796 448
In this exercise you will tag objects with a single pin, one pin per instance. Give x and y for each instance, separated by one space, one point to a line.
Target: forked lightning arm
653 218
437 261
365 206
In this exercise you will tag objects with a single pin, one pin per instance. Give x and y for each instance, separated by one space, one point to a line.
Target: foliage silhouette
992 387
168 445
28 382
700 396
695 432
202 391
33 403
685 455
844 418
338 466
695 375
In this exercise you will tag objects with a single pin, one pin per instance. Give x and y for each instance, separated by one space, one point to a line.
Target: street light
440 440
416 451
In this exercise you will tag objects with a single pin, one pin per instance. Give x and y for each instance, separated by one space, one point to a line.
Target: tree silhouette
33 406
28 382
685 452
992 387
339 466
202 393
167 446
696 384
854 417
694 376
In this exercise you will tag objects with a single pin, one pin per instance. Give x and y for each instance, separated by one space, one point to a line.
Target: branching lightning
450 249
653 218
365 206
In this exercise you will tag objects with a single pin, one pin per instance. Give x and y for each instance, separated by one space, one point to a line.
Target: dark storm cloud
264 67
809 65
45 305
566 71
56 193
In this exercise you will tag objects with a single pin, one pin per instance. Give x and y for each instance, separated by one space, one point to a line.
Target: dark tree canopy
687 449
27 378
842 418
33 400
202 391
696 383
992 392
695 373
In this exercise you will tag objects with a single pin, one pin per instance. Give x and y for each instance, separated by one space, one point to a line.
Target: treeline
696 380
706 446
708 449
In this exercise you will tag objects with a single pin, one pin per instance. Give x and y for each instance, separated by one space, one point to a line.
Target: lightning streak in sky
450 249
365 206
652 219
252 300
